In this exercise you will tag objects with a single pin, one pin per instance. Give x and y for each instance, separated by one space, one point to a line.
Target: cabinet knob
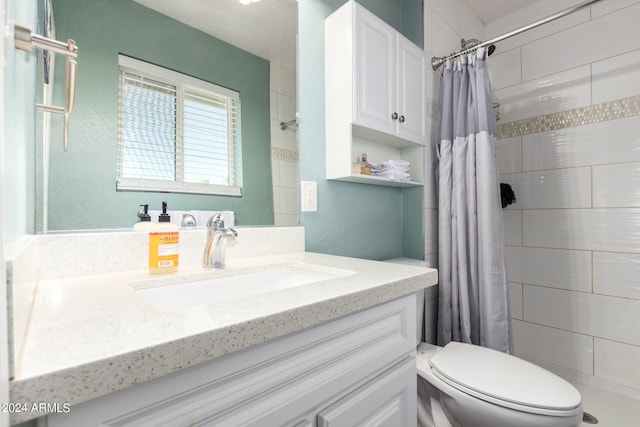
401 119
394 116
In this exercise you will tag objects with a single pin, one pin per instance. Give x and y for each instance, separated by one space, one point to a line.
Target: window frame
179 80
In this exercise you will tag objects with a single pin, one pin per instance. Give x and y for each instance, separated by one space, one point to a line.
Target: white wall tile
510 155
427 43
286 219
555 268
592 41
283 80
430 231
275 172
286 108
449 12
595 144
430 196
560 347
609 230
515 300
531 13
431 320
616 185
616 78
289 138
431 259
559 188
288 174
512 220
604 7
444 39
273 105
616 274
505 68
617 362
550 94
276 133
598 315
285 200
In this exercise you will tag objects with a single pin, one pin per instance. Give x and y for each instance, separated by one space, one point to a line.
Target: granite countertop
89 336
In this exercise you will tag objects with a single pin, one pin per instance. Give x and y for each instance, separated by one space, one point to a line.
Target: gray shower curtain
473 292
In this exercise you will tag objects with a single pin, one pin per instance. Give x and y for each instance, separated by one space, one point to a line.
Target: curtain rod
436 62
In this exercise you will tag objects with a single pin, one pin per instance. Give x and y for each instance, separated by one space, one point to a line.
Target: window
176 133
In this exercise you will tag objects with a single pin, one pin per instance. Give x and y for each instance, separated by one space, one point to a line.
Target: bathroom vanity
333 351
341 373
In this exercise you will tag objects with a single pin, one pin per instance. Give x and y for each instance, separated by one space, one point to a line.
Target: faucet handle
188 220
216 222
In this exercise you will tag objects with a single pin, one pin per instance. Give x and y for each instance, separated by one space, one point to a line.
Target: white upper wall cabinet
389 80
375 95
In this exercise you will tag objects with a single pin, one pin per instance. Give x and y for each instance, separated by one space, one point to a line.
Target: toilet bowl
464 385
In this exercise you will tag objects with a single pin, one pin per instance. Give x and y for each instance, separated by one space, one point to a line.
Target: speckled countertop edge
283 312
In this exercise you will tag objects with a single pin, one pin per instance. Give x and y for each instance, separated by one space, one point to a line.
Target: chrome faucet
217 236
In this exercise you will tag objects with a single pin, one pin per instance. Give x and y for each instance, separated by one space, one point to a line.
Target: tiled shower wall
569 144
284 145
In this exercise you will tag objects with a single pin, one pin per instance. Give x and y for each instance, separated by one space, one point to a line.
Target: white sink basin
219 286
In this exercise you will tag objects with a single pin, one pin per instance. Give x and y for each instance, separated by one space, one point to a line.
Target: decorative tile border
618 109
278 153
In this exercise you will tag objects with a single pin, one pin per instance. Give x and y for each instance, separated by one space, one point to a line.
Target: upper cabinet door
374 73
411 91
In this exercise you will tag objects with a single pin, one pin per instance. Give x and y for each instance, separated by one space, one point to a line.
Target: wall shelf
376 180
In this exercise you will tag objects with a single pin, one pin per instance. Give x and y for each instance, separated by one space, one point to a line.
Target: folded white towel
395 170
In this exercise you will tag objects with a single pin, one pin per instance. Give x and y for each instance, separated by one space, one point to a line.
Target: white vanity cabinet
375 95
359 369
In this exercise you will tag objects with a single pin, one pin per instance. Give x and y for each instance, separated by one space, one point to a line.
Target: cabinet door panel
389 401
375 73
411 91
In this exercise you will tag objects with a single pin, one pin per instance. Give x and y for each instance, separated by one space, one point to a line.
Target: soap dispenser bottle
163 245
145 219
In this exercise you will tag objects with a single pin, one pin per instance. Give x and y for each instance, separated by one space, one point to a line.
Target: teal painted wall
18 151
363 221
82 184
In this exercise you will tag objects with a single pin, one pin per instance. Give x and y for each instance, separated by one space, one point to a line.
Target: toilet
464 385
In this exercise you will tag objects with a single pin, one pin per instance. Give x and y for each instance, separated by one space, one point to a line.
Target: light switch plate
309 196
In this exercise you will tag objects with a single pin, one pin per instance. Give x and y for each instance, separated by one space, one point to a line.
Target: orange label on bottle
163 249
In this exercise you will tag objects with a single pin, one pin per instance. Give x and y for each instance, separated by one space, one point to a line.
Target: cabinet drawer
389 400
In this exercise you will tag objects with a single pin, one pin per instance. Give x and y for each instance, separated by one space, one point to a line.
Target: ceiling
268 28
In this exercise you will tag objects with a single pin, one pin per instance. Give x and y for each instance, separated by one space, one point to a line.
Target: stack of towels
395 170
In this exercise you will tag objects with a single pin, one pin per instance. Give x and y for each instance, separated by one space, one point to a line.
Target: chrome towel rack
284 125
25 40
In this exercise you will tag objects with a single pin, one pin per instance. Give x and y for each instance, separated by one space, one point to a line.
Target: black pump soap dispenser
164 216
145 219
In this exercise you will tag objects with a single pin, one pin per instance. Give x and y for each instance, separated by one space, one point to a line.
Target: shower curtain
473 293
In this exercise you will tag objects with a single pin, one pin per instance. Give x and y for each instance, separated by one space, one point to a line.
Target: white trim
154 185
173 76
182 83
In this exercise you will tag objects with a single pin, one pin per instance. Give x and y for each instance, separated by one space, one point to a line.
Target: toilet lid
503 379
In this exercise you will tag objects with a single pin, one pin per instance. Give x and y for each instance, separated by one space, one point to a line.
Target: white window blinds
177 133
